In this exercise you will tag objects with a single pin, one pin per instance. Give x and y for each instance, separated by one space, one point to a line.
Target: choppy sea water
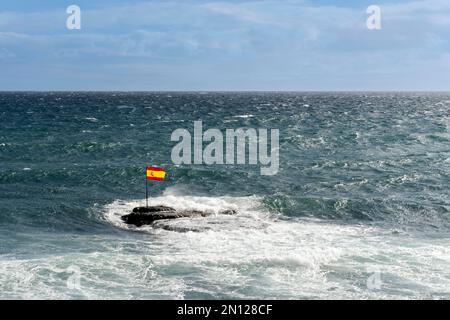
359 208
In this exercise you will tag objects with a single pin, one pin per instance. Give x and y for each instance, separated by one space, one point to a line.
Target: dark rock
229 212
147 215
177 228
153 209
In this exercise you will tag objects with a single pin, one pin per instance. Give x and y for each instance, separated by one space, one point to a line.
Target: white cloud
248 42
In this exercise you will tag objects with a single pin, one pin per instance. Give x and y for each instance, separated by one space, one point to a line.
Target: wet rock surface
148 215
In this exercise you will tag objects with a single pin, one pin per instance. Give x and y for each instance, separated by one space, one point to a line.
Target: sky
206 45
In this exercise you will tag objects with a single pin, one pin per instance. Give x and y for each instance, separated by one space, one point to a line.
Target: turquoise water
359 208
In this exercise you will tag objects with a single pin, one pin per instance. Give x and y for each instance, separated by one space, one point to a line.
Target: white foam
268 257
276 258
254 254
244 116
249 215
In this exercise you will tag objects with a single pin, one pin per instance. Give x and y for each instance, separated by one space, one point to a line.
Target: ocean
359 208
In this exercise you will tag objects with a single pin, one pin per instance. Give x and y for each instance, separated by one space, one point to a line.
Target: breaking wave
362 193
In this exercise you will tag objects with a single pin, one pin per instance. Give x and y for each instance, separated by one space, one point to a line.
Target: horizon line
230 91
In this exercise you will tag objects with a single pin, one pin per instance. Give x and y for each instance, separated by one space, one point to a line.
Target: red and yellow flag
154 173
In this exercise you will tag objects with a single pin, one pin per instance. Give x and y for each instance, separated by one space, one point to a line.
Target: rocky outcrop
147 215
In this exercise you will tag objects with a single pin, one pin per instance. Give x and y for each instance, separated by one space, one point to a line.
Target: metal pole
146 191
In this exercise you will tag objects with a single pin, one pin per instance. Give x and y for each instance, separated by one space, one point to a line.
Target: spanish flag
154 173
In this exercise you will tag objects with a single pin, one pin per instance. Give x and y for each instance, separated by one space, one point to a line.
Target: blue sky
225 45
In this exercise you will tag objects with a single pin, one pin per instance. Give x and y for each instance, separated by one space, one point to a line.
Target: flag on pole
154 173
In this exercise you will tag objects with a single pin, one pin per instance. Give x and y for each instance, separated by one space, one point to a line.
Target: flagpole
146 191
153 173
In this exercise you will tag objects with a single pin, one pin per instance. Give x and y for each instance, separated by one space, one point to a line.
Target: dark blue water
362 192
